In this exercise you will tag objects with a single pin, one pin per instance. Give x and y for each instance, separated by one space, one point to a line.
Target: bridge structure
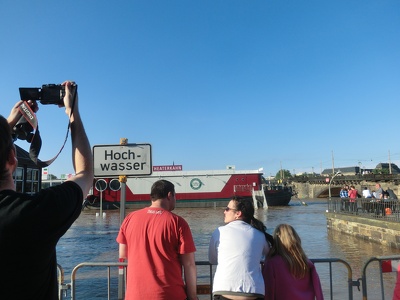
310 187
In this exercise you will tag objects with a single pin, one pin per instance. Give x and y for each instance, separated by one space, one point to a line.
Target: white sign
118 160
45 173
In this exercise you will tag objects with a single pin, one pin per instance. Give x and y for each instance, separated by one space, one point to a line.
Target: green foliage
380 171
283 174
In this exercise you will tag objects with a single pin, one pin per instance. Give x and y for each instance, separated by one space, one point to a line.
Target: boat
204 188
278 195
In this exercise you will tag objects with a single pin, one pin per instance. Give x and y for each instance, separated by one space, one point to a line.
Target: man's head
7 150
163 190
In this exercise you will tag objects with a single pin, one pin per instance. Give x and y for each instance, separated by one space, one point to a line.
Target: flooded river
92 239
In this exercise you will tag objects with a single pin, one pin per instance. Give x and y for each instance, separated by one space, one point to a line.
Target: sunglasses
228 208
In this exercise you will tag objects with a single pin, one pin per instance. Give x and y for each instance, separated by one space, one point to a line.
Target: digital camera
47 94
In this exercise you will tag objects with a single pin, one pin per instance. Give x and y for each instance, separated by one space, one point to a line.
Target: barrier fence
111 278
388 210
387 264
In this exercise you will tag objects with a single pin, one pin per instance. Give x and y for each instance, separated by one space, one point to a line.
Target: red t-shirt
155 238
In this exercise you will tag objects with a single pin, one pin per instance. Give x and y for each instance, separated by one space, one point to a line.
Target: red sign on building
167 168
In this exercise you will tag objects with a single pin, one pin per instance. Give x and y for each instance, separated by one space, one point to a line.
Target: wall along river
92 239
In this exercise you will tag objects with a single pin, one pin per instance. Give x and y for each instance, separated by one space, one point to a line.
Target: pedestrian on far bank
158 244
237 249
379 192
392 195
353 193
343 192
344 195
366 193
32 224
288 273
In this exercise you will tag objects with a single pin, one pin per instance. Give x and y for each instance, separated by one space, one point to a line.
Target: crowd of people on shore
350 194
375 195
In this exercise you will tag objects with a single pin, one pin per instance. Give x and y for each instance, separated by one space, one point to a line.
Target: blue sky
250 83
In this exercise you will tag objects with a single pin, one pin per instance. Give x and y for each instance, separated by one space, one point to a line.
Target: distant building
387 166
28 175
347 171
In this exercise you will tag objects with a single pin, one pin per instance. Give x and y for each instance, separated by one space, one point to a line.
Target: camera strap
27 112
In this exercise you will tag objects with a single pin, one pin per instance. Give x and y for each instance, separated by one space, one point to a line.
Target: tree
283 174
380 171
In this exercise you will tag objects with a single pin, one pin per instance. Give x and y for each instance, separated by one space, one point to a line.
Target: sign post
121 161
101 185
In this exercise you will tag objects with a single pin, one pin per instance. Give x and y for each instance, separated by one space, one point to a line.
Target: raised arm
190 272
81 151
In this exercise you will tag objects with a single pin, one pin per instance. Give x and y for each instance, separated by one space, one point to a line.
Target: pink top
353 194
281 285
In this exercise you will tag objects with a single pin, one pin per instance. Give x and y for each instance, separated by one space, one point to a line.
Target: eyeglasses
229 208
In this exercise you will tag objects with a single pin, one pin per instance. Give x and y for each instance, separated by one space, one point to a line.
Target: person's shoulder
275 259
138 212
66 184
63 189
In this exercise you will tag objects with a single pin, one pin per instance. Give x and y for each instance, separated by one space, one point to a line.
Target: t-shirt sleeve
186 239
121 239
213 247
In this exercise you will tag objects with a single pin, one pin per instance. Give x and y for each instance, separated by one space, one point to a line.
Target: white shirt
366 194
238 249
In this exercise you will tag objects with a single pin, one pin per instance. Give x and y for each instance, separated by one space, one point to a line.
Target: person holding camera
32 224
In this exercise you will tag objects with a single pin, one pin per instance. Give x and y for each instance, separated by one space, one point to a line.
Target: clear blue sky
210 83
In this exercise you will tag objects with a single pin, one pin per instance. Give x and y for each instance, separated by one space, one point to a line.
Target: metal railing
350 282
107 265
388 210
380 260
205 278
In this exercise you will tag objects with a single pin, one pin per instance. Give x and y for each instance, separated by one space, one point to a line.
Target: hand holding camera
59 94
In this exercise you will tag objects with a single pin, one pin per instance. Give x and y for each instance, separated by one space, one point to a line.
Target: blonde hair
287 244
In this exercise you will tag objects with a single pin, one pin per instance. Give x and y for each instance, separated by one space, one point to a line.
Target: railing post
121 281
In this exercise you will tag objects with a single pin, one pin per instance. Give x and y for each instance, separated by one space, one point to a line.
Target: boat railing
242 188
113 280
388 210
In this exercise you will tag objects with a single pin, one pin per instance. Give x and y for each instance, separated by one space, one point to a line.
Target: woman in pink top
353 198
288 273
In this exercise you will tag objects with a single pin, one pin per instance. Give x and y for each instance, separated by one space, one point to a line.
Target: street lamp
330 181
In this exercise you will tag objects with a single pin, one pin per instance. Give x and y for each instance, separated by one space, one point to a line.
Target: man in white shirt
366 193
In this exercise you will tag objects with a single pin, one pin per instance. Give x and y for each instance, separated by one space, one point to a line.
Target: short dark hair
6 145
245 205
160 189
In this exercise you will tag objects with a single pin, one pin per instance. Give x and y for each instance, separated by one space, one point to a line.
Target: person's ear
12 157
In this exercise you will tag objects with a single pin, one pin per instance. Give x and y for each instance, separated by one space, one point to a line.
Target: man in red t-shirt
157 243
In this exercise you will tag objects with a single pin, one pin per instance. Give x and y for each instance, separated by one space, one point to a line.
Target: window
32 181
19 179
